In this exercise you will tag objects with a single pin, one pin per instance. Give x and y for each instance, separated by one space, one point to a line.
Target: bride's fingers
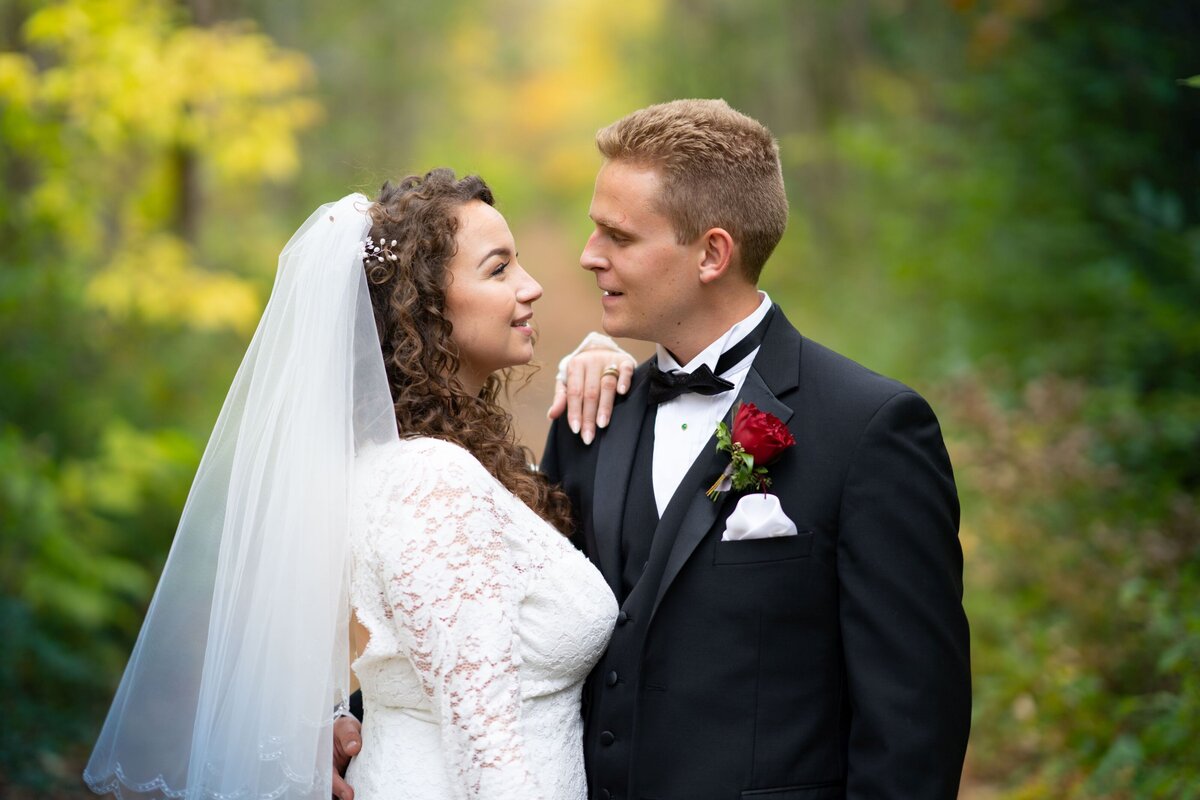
591 388
347 741
341 789
612 385
593 380
625 380
576 372
559 404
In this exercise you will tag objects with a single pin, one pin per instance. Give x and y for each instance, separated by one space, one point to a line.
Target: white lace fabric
484 622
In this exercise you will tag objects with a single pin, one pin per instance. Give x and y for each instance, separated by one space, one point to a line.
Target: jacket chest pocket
759 551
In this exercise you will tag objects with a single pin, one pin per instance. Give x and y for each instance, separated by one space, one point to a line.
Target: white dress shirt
685 424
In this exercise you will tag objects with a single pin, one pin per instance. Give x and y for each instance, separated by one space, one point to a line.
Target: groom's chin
612 325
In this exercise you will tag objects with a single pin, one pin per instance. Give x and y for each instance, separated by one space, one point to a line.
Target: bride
337 480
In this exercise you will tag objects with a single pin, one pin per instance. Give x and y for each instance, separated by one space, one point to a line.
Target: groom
832 662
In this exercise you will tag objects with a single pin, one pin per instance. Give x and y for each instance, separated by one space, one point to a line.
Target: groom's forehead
623 210
610 210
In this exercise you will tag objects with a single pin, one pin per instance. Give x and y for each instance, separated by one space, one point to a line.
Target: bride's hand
590 388
347 742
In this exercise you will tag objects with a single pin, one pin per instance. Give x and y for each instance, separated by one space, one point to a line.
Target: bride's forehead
481 225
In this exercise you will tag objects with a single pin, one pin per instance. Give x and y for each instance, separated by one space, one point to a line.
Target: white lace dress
483 621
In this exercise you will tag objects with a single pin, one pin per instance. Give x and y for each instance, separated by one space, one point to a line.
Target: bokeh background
996 201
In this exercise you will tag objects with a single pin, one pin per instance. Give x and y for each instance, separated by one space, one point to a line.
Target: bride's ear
717 256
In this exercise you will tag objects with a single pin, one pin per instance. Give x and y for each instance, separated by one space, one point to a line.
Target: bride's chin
518 362
526 356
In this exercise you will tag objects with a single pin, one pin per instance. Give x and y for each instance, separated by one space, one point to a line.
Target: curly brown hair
416 220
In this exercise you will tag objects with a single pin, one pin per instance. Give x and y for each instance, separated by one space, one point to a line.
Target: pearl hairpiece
369 250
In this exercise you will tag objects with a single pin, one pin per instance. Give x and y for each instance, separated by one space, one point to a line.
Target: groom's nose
590 258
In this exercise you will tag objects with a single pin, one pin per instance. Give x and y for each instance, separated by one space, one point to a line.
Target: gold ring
611 369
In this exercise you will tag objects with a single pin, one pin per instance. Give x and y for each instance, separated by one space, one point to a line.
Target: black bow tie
666 386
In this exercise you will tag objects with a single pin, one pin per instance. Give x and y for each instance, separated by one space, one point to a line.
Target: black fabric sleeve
905 636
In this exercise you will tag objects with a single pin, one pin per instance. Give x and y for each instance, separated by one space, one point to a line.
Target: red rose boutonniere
757 439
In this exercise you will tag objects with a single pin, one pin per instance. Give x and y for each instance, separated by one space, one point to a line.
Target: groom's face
649 280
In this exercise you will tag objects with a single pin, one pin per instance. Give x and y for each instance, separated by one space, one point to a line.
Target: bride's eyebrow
495 251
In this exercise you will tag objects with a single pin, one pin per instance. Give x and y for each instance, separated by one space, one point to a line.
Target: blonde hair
719 169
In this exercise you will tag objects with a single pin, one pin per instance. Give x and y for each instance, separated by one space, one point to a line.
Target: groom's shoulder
825 368
843 382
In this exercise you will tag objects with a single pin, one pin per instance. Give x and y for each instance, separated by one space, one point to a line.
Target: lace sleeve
452 588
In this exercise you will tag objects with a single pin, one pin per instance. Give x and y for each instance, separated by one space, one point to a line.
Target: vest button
605 794
622 618
612 678
607 738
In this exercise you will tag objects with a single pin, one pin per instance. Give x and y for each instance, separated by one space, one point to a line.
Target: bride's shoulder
419 460
423 452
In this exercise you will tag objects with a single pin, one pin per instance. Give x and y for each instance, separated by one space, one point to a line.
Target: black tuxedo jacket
831 664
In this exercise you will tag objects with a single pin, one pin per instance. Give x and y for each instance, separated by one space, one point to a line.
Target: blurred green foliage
116 325
997 201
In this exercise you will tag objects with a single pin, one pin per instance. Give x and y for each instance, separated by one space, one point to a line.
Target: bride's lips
523 325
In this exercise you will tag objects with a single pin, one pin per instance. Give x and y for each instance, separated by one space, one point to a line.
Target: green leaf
723 443
1193 81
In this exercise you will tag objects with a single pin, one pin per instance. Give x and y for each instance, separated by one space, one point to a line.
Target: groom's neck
709 319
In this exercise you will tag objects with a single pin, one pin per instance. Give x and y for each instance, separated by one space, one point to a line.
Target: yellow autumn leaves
109 102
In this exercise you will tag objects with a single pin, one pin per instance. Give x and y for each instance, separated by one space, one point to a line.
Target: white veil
230 691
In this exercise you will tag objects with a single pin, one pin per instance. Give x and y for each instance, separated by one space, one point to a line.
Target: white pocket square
757 516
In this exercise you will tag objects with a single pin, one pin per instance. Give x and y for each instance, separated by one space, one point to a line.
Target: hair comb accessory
370 251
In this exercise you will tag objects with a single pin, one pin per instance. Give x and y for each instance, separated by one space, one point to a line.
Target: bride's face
489 297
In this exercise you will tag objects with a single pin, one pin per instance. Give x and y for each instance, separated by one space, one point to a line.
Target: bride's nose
529 289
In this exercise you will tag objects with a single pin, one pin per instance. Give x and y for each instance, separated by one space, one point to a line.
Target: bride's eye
500 269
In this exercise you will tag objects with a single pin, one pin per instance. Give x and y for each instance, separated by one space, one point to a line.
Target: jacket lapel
775 371
613 468
689 515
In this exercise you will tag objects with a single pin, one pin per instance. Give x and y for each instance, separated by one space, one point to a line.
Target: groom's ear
717 259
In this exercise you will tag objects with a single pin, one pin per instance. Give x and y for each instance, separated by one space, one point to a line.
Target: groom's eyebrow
608 225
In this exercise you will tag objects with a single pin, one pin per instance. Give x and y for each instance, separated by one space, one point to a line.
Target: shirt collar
711 354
